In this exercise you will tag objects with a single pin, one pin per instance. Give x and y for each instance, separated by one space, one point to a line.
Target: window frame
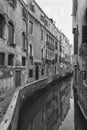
30 73
23 61
42 34
31 27
2 59
23 41
10 61
2 26
11 33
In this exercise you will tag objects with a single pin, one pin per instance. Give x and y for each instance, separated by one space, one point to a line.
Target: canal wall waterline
11 117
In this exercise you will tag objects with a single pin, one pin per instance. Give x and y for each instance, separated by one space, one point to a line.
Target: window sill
10 66
3 66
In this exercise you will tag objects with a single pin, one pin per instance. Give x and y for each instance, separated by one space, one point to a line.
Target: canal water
54 109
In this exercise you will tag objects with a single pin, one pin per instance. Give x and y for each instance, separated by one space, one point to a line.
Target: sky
60 11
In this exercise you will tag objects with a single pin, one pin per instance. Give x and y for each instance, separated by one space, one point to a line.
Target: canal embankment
10 119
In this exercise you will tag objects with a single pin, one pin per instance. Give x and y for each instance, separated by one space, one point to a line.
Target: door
17 78
37 73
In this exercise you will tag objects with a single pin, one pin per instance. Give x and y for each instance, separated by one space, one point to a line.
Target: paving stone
5 98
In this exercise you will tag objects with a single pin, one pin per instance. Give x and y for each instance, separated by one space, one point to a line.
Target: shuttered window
2 24
2 58
76 40
30 73
84 33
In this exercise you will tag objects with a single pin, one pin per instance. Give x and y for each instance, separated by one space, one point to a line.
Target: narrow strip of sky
60 11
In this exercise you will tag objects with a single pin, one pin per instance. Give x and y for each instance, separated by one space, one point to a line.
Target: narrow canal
55 109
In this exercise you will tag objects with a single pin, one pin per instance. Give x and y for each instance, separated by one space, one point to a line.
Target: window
32 8
23 61
30 73
42 18
47 37
42 72
12 2
84 33
56 57
46 22
31 28
56 45
23 41
11 33
24 14
60 48
2 59
55 69
42 53
41 34
2 25
10 59
75 31
60 59
30 50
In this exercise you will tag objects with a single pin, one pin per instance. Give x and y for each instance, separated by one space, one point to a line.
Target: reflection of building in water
54 110
65 100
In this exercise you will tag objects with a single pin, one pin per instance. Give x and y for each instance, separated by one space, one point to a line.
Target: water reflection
80 122
51 110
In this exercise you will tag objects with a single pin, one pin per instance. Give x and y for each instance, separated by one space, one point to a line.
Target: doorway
17 78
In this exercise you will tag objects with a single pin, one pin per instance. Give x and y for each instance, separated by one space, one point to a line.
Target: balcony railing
12 44
51 46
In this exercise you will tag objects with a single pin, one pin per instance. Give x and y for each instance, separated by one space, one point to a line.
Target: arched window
23 41
2 25
11 33
30 50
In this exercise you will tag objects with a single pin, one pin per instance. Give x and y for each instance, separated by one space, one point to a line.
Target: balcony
12 44
48 61
51 46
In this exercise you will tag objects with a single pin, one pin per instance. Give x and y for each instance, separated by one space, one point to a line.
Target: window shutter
76 40
84 33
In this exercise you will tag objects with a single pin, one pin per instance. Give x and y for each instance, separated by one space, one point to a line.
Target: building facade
29 43
45 41
65 53
80 49
12 46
